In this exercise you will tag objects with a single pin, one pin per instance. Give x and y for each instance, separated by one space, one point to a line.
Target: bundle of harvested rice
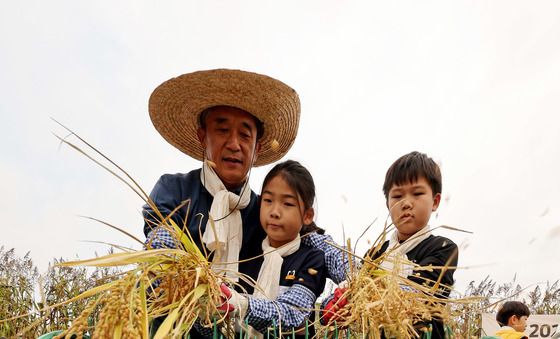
384 303
175 284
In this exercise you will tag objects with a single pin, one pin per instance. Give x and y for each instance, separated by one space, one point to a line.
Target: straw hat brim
176 104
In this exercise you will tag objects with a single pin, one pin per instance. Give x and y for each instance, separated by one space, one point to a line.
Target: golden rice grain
275 145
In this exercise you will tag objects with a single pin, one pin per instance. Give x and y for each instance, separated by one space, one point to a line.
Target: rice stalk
174 283
177 284
383 303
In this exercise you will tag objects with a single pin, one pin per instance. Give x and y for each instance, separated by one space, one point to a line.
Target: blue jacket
172 189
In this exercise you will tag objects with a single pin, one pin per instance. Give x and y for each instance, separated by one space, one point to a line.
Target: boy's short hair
510 308
409 168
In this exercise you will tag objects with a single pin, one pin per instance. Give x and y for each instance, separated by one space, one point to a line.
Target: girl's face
282 212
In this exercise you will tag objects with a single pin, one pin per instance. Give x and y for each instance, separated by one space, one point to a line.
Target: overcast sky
474 84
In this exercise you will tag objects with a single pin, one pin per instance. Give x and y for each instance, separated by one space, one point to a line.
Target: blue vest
172 189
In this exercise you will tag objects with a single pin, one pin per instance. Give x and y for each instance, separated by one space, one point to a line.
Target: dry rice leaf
121 259
187 241
454 229
144 329
167 324
117 334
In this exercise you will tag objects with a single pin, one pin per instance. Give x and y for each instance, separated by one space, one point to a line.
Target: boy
412 191
512 318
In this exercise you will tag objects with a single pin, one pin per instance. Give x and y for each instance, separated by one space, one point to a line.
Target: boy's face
518 323
411 205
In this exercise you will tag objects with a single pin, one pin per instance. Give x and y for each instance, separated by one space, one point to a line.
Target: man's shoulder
174 177
183 184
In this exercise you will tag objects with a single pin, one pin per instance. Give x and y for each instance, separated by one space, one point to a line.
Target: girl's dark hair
409 168
301 181
510 308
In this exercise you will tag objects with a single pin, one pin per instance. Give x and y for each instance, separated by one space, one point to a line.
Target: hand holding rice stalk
128 302
176 283
381 301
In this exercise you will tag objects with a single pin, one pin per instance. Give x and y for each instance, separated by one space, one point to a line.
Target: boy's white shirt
396 251
228 236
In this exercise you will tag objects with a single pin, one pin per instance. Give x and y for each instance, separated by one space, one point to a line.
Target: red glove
330 312
232 302
225 307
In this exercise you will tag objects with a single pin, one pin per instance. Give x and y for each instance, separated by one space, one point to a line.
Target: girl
292 275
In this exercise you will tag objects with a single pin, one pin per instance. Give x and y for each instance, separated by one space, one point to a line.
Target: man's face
230 141
411 206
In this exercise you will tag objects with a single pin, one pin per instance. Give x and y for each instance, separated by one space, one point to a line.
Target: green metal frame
272 333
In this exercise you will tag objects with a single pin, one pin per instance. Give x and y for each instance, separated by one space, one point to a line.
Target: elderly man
231 120
206 115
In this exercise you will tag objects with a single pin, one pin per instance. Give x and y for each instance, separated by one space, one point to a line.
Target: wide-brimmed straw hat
176 104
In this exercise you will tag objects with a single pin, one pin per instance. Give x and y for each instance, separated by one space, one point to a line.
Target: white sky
472 83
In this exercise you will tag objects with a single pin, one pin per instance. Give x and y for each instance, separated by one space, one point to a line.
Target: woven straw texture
176 104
